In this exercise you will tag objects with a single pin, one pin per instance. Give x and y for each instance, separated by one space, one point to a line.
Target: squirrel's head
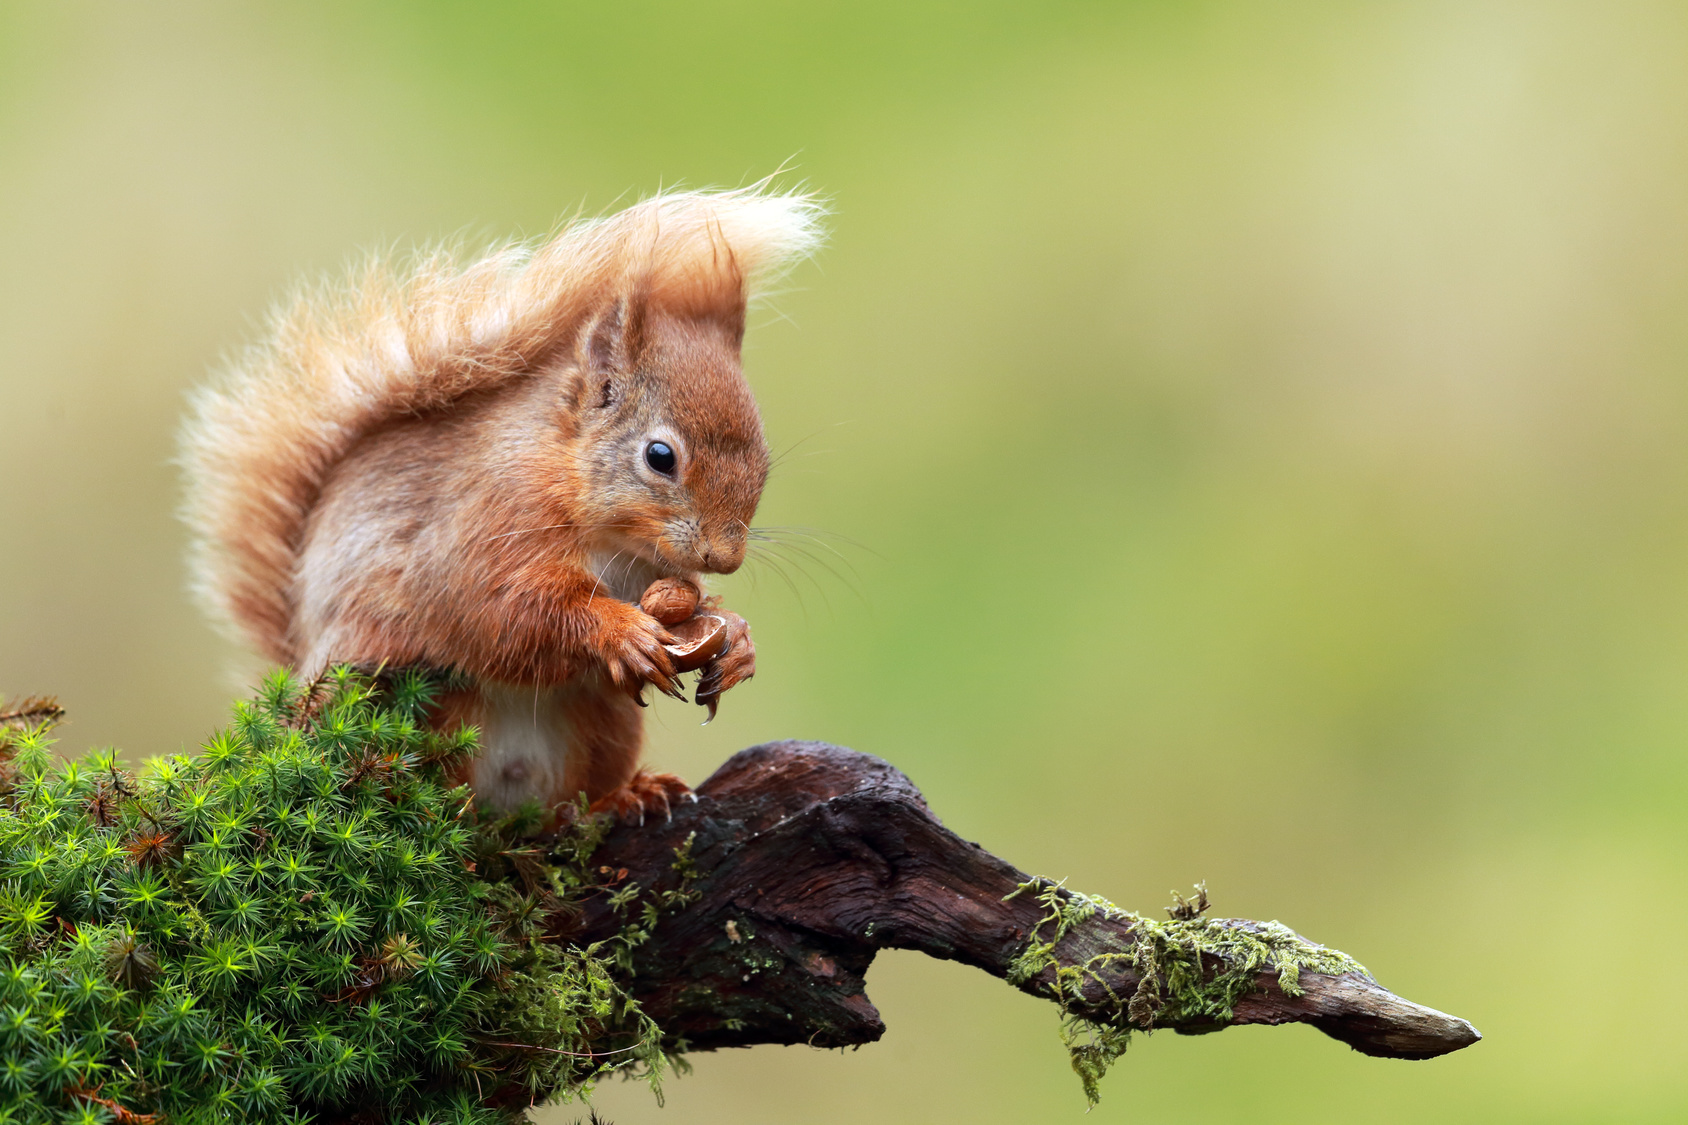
667 443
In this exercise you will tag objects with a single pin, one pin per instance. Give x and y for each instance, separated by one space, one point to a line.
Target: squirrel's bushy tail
337 361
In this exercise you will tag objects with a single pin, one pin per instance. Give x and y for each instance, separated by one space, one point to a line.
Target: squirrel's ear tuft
707 283
705 255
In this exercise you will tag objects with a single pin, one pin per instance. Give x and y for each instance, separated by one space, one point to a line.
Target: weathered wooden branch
808 859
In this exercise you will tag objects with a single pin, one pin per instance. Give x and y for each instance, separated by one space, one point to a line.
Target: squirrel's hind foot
646 793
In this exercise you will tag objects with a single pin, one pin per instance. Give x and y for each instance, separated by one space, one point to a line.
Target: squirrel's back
339 362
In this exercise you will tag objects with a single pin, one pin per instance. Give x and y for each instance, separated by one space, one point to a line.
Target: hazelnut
671 600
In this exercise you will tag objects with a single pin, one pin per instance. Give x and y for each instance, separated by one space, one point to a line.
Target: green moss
1175 988
304 919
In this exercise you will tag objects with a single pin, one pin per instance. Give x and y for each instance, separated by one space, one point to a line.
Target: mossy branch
807 859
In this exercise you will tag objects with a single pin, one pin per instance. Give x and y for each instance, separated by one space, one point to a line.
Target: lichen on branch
1190 970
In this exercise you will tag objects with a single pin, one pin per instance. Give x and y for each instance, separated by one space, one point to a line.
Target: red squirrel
484 466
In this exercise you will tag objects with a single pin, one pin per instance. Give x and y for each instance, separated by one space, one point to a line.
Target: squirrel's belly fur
550 743
528 740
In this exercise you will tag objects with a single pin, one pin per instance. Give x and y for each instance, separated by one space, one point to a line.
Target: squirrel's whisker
808 546
529 531
850 581
800 556
767 561
601 574
784 561
817 533
793 447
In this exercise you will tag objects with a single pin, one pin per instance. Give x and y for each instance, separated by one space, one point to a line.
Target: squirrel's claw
664 680
735 664
636 656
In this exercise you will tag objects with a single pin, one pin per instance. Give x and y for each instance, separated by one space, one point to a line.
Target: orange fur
449 468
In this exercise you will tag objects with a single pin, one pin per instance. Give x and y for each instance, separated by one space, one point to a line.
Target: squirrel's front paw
630 645
735 664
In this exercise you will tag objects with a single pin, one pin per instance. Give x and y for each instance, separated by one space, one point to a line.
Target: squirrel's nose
722 558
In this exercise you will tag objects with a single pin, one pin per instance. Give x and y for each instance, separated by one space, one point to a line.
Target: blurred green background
1259 433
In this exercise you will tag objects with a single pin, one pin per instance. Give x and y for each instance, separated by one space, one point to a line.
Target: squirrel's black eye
660 457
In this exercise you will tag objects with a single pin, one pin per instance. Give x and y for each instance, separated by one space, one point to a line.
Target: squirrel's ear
608 347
